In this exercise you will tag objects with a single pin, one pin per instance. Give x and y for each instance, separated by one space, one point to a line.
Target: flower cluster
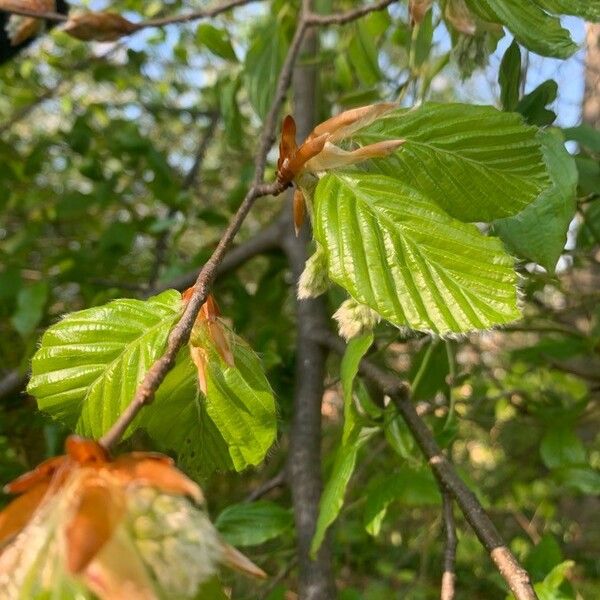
130 527
354 318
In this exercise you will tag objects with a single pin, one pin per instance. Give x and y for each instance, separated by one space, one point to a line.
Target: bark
315 578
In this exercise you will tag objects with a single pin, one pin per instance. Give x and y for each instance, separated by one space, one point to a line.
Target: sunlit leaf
396 251
90 364
476 162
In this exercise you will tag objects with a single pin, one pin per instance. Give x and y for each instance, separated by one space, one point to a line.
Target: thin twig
195 15
36 14
449 575
159 22
310 20
272 484
398 391
348 16
181 332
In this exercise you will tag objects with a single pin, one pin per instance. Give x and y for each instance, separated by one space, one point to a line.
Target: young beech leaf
532 27
477 163
353 438
393 249
510 77
555 208
90 364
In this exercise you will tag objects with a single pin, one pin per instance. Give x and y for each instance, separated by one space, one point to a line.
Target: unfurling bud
314 280
319 152
131 527
299 210
417 10
355 318
460 17
98 26
19 29
209 332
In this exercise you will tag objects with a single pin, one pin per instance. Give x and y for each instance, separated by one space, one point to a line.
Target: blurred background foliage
96 145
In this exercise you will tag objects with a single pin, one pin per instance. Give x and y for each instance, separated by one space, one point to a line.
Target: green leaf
477 163
584 135
429 371
332 498
178 421
561 447
539 233
90 363
543 557
397 434
533 105
253 523
423 41
588 9
363 54
216 40
510 77
31 301
240 402
408 486
231 112
549 589
355 351
353 438
531 26
395 250
589 175
233 427
584 479
263 63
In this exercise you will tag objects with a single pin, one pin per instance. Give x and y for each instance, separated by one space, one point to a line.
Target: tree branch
266 240
310 20
159 22
180 334
399 392
272 484
348 16
449 575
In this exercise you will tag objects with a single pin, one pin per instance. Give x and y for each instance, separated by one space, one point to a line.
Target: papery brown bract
208 330
319 153
417 9
98 26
